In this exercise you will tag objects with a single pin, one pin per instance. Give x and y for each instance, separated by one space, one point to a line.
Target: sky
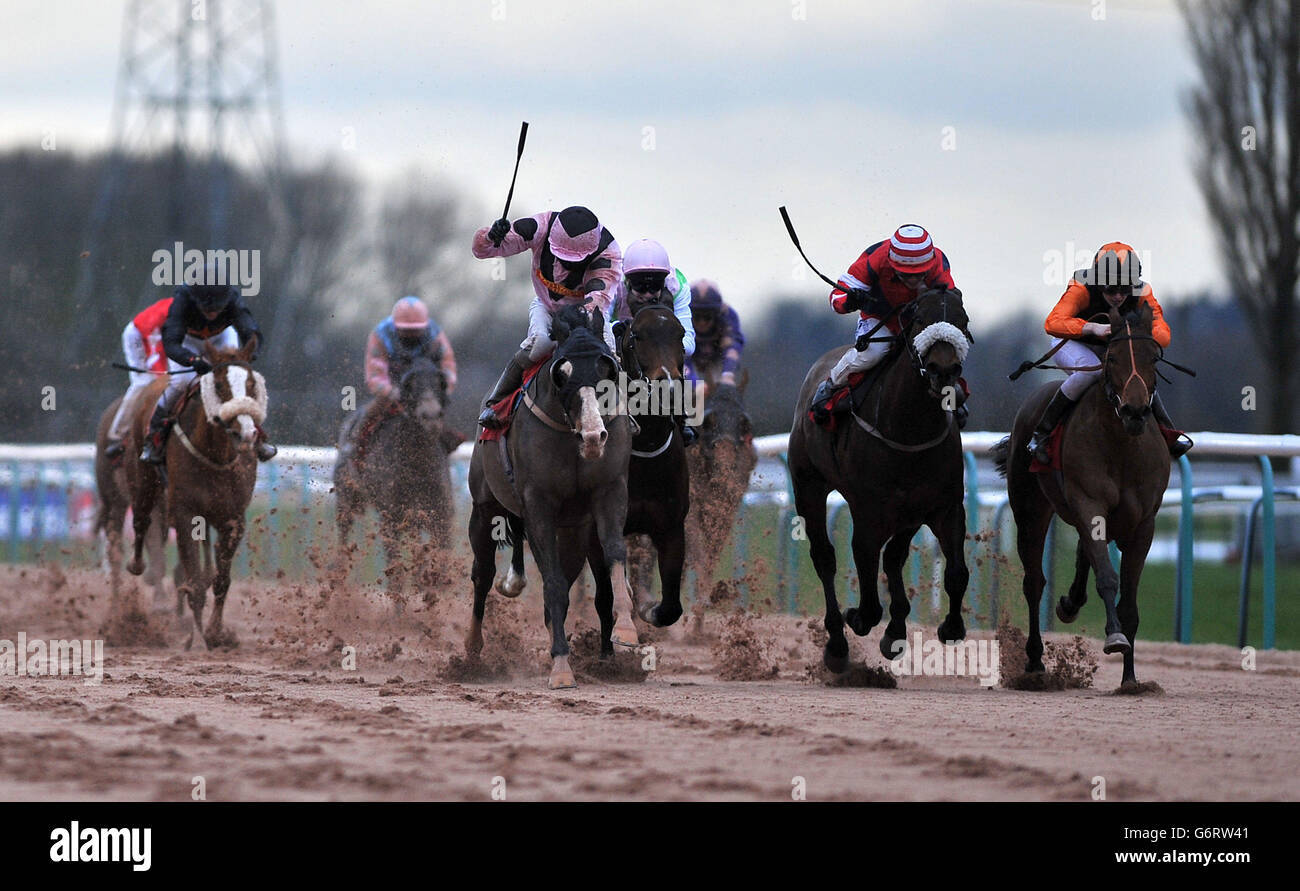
1022 133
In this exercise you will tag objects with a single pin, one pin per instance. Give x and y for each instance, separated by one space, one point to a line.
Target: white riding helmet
646 255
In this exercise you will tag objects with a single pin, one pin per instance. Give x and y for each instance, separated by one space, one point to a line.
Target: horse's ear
560 329
1116 320
209 352
597 323
1145 313
247 351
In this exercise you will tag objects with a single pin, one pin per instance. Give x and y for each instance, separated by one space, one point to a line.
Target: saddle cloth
505 408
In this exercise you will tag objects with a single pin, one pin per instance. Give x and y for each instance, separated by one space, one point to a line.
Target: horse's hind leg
810 504
1067 608
604 597
485 551
512 584
951 533
893 642
1130 570
216 635
1033 517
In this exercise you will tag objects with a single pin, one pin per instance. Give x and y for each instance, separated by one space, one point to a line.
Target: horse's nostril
604 435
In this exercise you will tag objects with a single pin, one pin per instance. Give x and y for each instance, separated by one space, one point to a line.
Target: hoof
952 629
221 638
1035 667
659 615
1116 642
473 644
135 567
624 634
561 675
892 647
1066 611
510 585
854 618
836 663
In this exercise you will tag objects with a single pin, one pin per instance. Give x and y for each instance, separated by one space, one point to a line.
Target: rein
189 445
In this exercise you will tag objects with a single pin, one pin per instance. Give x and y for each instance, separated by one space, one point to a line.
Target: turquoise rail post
306 537
1113 550
1270 552
972 521
273 515
15 499
1183 578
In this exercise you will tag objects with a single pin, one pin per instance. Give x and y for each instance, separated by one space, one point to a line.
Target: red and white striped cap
911 246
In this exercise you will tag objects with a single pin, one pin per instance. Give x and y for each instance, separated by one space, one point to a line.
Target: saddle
852 396
505 408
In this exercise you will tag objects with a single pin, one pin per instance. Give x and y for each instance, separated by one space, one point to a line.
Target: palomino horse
567 480
114 499
1115 468
208 483
720 464
897 462
658 490
403 472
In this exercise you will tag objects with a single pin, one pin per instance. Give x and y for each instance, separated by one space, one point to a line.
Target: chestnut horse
1115 469
897 462
208 482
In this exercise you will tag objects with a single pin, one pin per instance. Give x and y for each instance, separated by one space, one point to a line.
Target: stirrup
114 450
153 453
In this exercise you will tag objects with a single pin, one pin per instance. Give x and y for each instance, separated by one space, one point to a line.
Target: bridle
1116 397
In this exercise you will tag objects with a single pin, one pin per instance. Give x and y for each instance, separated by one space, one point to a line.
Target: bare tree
1247 112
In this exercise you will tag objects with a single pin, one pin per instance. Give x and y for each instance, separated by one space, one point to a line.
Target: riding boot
962 414
1052 416
688 433
821 400
1179 446
114 449
511 379
265 451
155 440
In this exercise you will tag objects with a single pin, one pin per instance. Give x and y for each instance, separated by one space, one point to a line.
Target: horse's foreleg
157 548
1107 578
951 534
540 520
1130 569
1067 607
227 544
893 643
485 551
609 510
191 587
513 582
671 546
810 504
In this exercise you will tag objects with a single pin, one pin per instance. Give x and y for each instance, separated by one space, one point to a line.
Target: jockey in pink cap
575 260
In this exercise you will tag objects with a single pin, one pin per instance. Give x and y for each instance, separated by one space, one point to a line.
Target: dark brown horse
720 465
114 499
897 462
562 470
210 472
403 472
658 489
1115 468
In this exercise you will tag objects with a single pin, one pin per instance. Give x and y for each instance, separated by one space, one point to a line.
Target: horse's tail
1001 454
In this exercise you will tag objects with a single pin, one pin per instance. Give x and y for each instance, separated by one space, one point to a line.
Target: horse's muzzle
1134 419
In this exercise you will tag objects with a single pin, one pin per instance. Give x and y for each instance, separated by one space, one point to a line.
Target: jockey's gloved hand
618 328
200 365
857 298
499 230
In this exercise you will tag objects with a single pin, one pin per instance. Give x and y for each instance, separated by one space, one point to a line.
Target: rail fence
48 500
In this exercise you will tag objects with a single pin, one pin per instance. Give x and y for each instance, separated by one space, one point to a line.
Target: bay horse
208 481
658 484
897 462
720 466
1114 472
561 472
114 499
403 471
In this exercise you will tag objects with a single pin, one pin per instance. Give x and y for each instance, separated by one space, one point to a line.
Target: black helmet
212 298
